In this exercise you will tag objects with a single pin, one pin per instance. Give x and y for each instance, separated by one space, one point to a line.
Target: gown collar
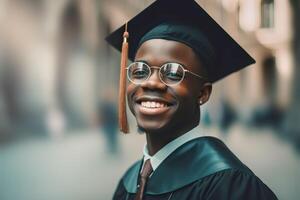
190 162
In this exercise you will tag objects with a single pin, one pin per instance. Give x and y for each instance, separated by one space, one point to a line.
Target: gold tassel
123 123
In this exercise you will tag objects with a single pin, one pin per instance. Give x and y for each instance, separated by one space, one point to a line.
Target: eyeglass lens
169 73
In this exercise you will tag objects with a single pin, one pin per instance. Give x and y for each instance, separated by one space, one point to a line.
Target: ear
204 93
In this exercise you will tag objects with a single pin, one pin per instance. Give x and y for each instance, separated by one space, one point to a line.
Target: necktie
147 170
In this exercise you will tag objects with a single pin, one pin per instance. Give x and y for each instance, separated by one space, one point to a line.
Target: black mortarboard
184 21
229 56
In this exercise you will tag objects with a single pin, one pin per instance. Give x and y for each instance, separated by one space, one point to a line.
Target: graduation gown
203 168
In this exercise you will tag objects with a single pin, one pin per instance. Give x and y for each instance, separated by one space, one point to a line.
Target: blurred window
267 13
270 76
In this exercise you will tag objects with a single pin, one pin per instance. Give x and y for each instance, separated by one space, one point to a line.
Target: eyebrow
144 61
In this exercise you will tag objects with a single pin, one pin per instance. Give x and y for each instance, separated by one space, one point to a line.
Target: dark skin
181 111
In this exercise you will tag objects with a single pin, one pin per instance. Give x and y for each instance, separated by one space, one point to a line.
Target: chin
151 126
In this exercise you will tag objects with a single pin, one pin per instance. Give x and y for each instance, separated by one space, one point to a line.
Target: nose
154 82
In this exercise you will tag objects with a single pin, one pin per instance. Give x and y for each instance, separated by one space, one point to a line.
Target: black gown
203 168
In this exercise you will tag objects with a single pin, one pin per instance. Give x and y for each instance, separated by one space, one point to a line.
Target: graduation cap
186 22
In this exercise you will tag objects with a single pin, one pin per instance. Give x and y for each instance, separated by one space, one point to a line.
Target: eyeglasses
170 73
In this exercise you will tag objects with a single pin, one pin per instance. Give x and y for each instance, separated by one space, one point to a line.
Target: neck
157 140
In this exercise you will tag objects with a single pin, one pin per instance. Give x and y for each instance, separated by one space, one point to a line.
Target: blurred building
50 61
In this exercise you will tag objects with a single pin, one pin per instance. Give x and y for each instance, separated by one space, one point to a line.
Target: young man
177 52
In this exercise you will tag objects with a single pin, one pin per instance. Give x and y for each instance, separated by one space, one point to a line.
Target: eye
172 72
139 73
173 75
138 70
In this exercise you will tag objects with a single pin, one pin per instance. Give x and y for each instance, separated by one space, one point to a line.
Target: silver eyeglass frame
159 72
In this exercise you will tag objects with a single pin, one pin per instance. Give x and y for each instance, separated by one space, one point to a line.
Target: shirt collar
164 152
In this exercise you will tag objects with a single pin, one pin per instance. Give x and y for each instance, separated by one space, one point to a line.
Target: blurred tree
292 125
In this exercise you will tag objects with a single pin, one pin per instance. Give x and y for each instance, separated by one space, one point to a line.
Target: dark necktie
147 170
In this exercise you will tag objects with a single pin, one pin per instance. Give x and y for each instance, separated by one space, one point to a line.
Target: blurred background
58 94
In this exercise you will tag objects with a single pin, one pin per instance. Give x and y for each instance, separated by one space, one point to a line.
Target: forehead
160 51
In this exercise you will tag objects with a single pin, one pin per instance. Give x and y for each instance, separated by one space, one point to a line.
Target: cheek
187 97
186 89
131 89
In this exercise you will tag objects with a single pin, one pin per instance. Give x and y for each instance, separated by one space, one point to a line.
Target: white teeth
152 104
148 104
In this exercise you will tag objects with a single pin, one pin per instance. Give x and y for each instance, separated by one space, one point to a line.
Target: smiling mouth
152 106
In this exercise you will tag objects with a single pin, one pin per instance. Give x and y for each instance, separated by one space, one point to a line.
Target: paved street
77 166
